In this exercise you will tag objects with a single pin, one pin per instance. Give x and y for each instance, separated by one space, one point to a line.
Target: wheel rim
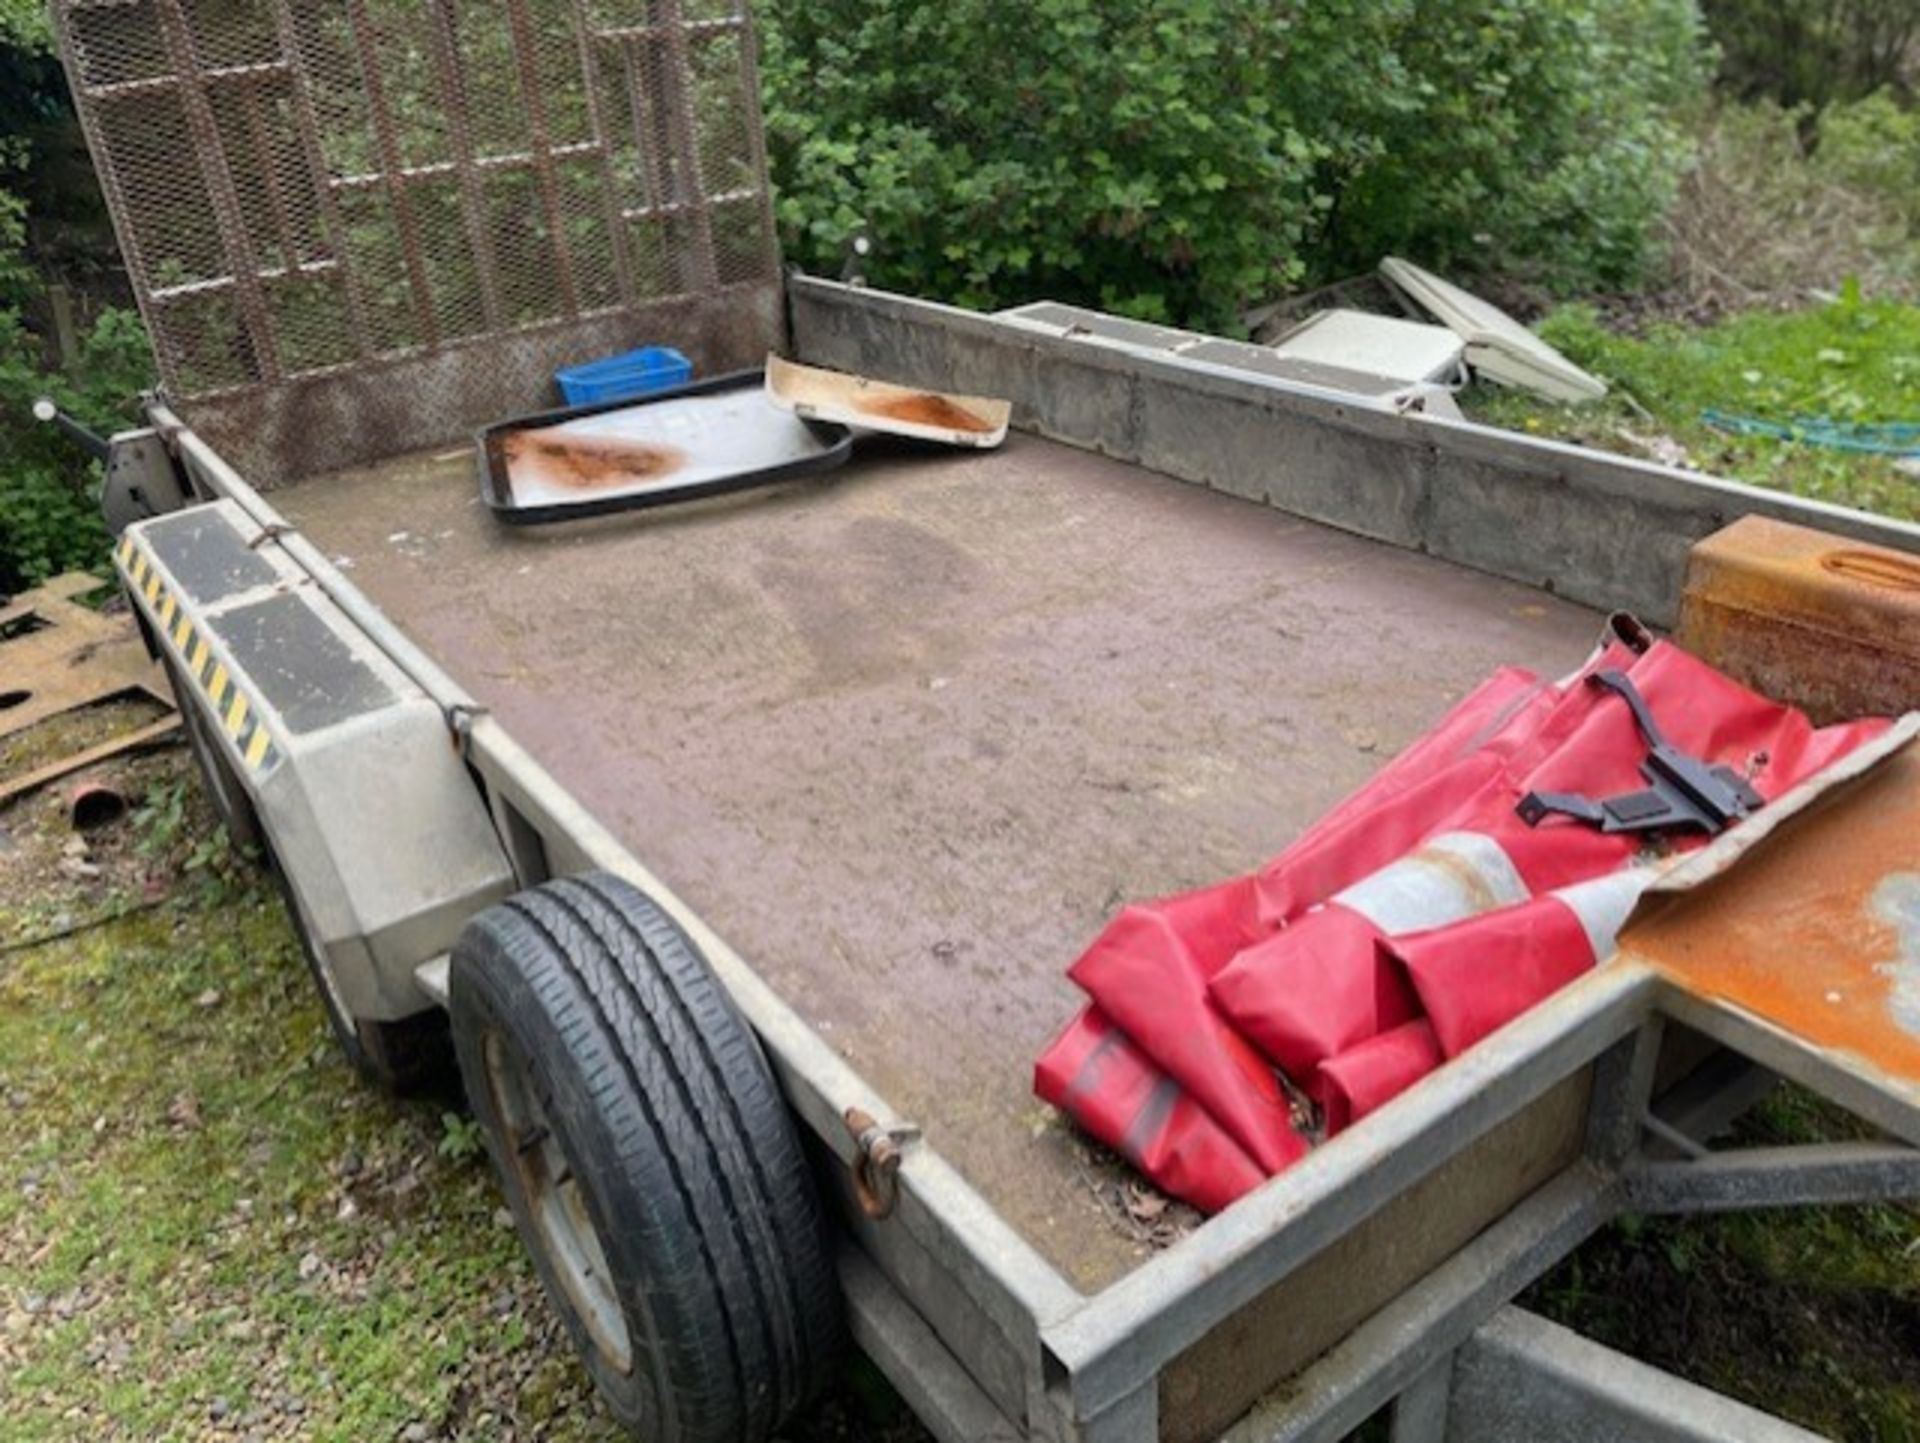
556 1203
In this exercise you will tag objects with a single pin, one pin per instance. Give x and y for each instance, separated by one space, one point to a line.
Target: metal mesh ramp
362 226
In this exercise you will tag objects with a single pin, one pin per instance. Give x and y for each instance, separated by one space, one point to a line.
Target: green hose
1891 438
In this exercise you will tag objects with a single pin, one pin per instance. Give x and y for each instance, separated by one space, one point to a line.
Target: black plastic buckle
1686 792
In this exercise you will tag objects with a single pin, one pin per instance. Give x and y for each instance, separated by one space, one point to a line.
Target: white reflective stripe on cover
1604 904
1449 877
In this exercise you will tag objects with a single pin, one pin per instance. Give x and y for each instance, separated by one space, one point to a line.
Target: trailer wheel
648 1159
230 800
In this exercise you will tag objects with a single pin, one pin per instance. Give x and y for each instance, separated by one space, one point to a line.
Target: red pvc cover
1116 1093
1409 922
1370 1074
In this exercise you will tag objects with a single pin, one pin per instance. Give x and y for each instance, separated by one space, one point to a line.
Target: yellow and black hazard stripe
233 709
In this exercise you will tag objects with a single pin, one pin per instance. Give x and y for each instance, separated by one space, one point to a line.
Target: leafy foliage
1873 145
49 519
49 514
1541 137
1783 201
1182 158
1131 155
24 26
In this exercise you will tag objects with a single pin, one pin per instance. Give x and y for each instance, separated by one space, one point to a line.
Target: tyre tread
698 1129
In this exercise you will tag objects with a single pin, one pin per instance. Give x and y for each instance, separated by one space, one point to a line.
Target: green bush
1128 154
1185 158
49 515
1873 145
1535 136
1783 203
49 512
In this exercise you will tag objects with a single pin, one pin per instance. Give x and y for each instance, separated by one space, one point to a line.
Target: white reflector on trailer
1498 346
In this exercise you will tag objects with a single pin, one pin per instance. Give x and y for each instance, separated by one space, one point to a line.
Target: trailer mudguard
372 816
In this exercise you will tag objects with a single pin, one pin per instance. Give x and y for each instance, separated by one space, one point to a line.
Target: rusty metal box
1825 623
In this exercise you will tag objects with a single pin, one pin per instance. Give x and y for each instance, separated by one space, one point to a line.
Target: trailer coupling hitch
1686 792
876 1161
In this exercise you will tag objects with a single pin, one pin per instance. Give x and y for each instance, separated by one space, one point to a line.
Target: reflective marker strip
232 708
1604 904
1453 876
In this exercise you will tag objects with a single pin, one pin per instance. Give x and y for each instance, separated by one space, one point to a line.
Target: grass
1853 361
209 1224
208 1227
1811 1313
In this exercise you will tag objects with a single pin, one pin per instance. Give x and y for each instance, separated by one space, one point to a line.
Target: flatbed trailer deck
907 735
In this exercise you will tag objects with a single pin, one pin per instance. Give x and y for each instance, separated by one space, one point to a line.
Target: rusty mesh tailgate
356 227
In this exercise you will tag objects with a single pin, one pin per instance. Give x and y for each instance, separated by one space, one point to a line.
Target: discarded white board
822 395
1405 352
1497 346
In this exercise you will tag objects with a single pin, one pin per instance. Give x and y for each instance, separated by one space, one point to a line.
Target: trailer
736 851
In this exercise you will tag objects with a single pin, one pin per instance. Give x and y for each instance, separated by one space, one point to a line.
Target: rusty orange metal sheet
1817 931
57 655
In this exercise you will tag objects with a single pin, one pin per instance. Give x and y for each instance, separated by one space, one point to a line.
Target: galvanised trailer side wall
1608 531
982 1335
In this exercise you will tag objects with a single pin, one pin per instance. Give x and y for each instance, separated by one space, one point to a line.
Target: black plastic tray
812 446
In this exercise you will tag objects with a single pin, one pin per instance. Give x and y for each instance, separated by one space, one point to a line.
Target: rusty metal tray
860 401
705 439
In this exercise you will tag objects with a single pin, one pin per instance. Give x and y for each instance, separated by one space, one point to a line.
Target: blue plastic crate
617 378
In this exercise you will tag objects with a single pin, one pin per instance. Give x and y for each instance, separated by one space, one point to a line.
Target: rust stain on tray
1818 931
583 464
926 408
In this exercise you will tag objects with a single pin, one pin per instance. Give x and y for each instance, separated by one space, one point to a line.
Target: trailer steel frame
983 1335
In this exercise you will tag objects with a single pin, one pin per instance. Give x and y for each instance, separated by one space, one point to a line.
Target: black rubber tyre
649 1161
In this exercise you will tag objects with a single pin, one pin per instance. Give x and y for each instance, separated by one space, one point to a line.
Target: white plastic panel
1498 346
1404 352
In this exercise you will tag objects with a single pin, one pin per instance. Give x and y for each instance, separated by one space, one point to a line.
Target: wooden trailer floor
907 735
